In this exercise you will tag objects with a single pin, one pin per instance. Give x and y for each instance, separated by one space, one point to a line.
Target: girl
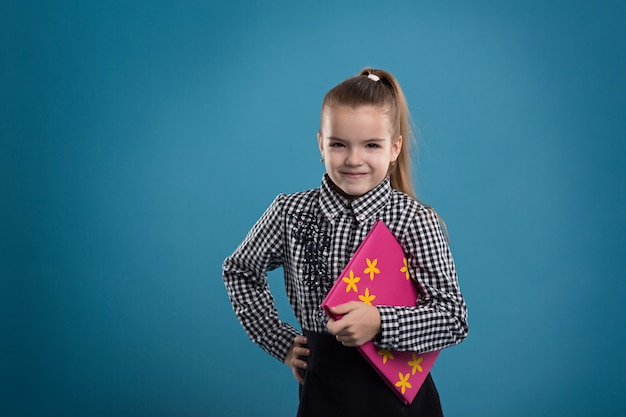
363 136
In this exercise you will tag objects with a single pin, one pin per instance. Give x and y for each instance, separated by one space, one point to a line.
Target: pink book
377 274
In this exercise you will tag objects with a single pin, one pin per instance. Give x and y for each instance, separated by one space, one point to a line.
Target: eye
336 145
372 145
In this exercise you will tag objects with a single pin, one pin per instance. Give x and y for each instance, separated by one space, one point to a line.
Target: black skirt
340 382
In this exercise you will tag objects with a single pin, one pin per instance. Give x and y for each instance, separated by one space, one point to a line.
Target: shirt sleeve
245 278
439 318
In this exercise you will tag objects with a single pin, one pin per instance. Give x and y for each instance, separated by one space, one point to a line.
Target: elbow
460 330
462 333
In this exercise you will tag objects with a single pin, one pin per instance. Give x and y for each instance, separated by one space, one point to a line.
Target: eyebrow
366 140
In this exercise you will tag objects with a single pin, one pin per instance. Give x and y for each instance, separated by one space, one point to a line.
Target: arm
440 317
245 277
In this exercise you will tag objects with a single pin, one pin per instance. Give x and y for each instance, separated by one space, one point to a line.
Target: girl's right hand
297 356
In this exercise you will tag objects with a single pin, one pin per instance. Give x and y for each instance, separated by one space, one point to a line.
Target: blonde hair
378 88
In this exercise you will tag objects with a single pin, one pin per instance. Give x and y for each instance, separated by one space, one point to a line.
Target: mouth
353 175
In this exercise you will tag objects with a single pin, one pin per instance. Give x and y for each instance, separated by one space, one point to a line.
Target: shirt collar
363 207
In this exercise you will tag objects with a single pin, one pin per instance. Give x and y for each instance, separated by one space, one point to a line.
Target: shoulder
298 201
408 206
408 213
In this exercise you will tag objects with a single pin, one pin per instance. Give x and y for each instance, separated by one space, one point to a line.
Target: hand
294 357
359 324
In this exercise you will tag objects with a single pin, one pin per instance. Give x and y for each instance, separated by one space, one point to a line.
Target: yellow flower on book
371 268
351 281
403 383
416 363
386 354
367 298
405 268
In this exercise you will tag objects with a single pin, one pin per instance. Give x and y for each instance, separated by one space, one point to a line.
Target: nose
354 158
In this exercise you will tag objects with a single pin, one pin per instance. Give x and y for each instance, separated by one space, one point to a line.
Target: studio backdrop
140 141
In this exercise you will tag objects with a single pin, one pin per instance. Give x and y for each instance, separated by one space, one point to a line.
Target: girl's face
357 147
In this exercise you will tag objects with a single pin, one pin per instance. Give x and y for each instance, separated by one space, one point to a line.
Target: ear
396 147
320 142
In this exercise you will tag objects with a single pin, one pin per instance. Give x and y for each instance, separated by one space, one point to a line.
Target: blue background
141 140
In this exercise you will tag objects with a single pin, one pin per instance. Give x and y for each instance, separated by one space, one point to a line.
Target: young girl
363 137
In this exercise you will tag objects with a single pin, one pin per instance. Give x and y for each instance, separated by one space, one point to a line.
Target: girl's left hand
359 324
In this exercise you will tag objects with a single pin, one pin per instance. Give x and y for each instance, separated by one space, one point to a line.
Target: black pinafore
340 382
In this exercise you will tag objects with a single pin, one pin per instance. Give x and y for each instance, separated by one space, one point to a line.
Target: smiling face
357 147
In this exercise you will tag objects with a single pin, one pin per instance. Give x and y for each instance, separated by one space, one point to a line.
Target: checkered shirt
312 235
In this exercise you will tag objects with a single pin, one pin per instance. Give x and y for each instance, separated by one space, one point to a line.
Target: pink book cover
378 274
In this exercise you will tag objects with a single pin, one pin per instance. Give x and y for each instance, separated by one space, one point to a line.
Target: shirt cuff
284 342
388 337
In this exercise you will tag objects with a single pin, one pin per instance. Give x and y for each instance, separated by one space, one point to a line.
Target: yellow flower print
367 298
405 268
386 354
403 383
371 268
351 281
416 363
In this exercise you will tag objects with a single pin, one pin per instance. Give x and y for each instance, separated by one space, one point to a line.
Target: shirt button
360 217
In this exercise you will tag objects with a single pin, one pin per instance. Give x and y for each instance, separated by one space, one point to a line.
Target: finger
336 327
339 327
344 308
300 351
299 363
296 366
300 339
297 375
346 341
330 325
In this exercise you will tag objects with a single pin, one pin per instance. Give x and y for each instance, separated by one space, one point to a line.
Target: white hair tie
373 77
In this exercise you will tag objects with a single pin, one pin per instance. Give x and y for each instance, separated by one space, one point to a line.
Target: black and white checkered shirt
313 235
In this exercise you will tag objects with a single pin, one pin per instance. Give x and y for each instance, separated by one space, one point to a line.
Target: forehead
364 122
